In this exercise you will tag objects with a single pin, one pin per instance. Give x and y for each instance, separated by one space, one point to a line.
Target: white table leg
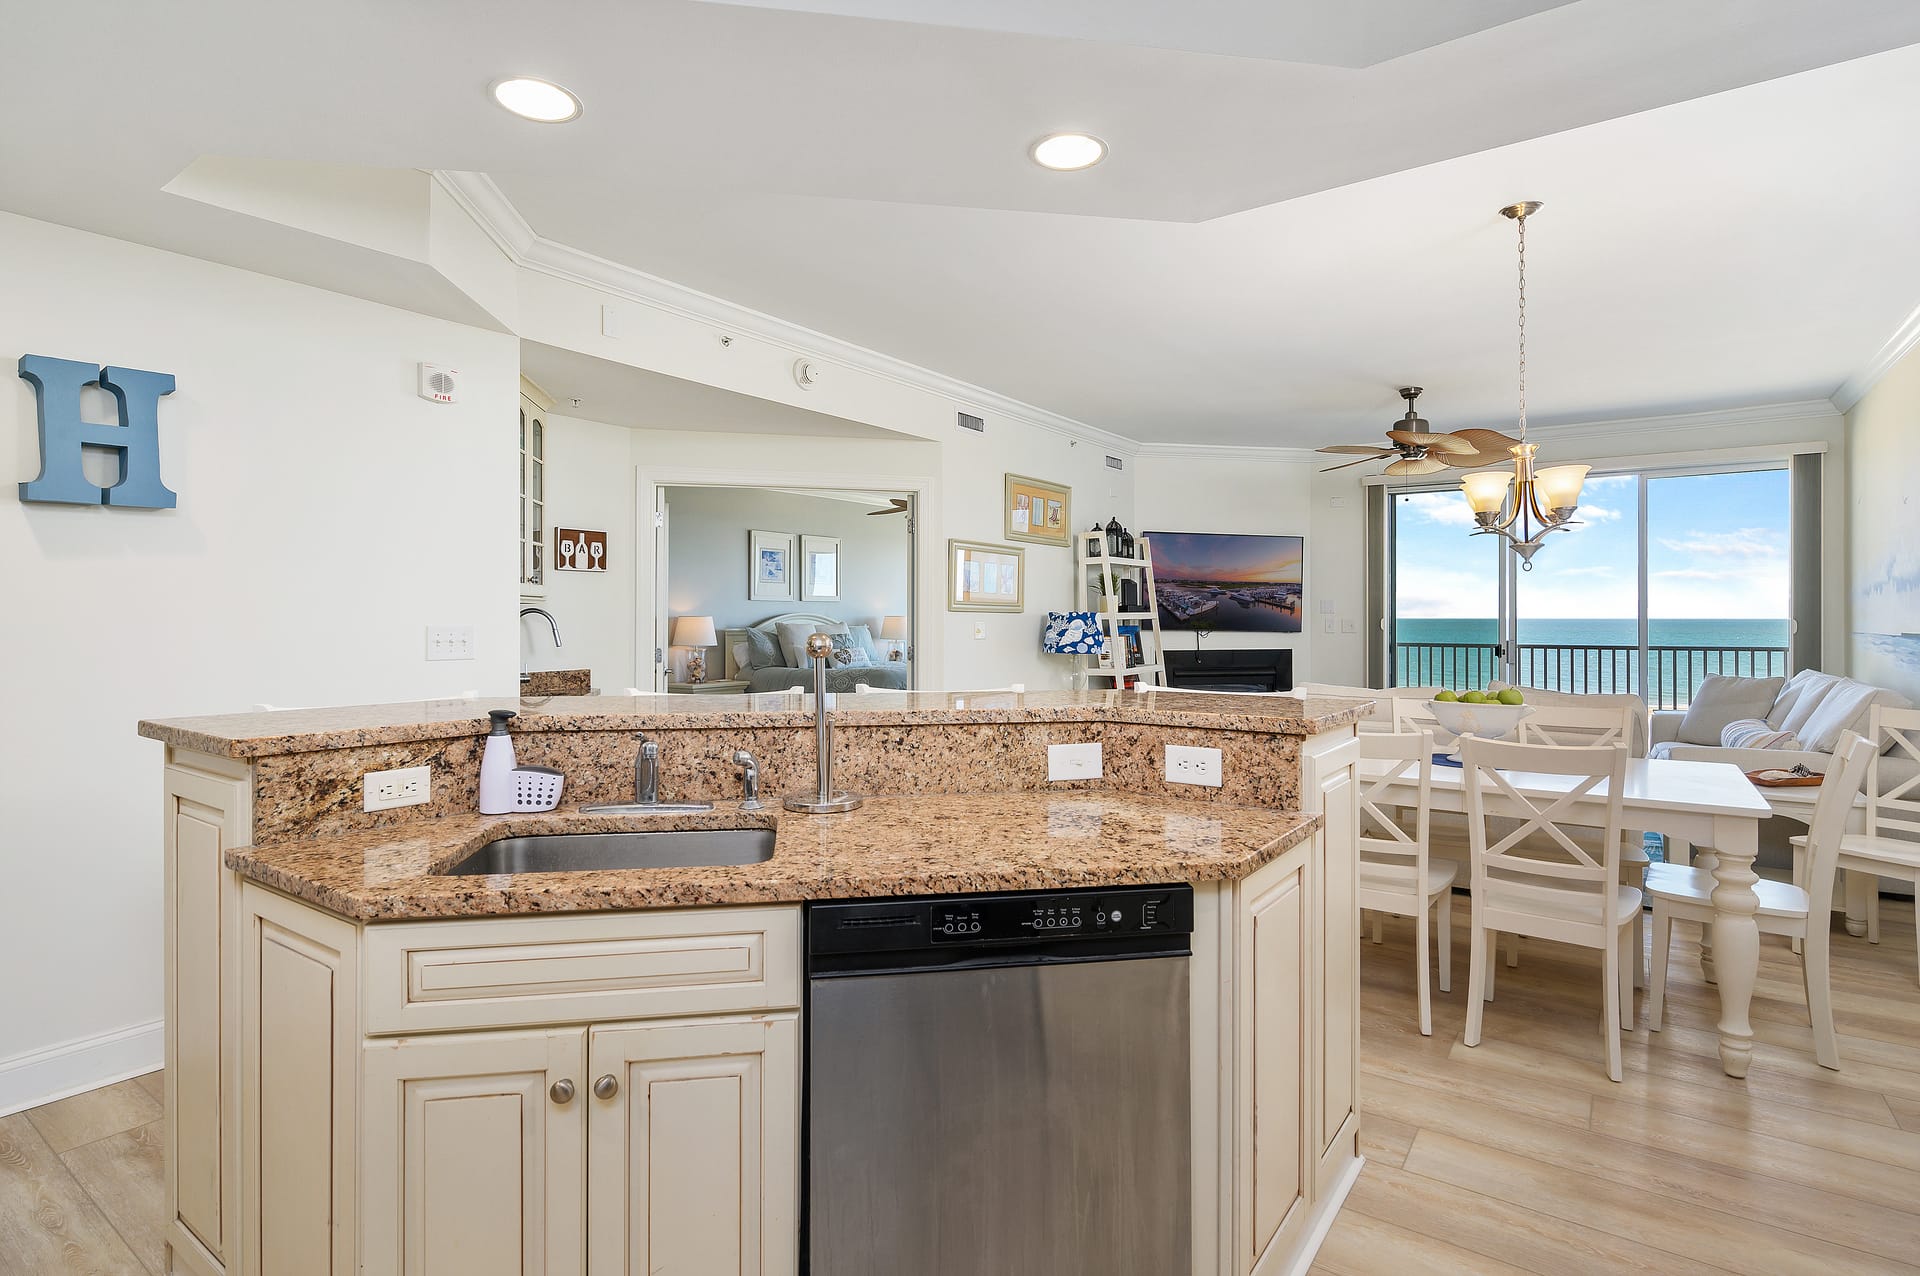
1705 858
1859 886
1736 936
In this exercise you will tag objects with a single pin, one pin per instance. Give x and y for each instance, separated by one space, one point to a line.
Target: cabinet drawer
497 972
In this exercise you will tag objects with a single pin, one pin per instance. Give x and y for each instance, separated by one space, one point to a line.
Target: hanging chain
1522 219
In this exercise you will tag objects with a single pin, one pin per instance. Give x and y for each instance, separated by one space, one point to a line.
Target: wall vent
968 421
1115 463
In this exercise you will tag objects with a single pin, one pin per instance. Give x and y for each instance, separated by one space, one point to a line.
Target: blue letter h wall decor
56 387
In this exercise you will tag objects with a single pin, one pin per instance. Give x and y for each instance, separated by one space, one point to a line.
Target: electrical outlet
405 786
1349 626
1326 626
1074 762
979 629
1189 765
449 642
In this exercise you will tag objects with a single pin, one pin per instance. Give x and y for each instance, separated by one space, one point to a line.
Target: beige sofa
1796 708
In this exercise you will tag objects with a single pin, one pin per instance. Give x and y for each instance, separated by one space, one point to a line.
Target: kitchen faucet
823 800
551 623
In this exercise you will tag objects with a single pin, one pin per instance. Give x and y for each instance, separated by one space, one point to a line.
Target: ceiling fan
898 505
1418 450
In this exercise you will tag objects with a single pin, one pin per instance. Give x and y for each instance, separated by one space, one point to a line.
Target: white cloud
1598 514
1600 570
1448 509
1746 542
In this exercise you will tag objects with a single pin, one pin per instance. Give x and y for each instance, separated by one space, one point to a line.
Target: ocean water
1463 655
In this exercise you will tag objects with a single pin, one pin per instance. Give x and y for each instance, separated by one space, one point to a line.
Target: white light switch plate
1349 626
1074 762
405 786
1326 626
980 629
449 642
1189 765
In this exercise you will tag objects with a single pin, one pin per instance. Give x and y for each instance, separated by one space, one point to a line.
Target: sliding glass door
1667 578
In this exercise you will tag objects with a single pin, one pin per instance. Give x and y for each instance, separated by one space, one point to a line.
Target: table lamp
695 632
893 629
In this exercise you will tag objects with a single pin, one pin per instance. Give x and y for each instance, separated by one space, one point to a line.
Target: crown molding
1224 452
1891 352
495 214
1792 410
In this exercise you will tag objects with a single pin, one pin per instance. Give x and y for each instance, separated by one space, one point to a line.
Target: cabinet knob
606 1087
561 1091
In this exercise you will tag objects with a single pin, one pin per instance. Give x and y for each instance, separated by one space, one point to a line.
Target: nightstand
714 687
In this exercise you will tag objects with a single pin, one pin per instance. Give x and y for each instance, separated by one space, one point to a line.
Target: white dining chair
1396 874
1890 846
1539 879
1800 913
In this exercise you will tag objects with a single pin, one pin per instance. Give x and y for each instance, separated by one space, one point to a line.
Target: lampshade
1486 490
1559 486
1072 633
894 628
694 631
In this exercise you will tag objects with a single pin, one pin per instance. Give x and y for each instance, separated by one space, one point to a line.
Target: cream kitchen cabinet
668 1145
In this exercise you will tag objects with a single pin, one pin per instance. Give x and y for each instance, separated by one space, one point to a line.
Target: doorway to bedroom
745 574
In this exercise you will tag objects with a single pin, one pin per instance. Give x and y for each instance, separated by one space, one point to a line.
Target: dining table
1709 805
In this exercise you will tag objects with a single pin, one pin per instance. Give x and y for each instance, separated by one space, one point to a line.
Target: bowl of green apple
1489 715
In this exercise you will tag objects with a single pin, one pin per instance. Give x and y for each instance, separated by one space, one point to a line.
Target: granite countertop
890 846
249 735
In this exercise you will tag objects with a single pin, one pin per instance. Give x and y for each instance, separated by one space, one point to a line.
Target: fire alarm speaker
437 383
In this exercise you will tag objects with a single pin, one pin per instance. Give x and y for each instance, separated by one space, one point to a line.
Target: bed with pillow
771 656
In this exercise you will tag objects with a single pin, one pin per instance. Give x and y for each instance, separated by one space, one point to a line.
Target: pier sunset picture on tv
1211 580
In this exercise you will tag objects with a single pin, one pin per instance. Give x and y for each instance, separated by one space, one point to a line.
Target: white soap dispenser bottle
496 766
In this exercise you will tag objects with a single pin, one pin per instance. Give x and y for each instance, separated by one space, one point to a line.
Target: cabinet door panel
470 1166
694 1159
1275 1168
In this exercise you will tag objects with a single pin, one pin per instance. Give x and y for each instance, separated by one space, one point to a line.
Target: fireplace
1233 669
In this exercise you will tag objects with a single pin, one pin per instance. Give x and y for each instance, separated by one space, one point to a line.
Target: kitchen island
376 1065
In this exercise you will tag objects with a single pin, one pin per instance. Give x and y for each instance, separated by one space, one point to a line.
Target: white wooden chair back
1390 853
1893 808
1539 863
1577 726
1851 759
1410 714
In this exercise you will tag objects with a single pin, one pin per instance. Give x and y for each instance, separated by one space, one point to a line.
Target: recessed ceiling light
1068 152
536 100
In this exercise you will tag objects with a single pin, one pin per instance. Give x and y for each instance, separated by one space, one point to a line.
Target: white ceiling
1277 240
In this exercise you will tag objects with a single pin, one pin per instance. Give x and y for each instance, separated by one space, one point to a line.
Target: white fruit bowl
1485 721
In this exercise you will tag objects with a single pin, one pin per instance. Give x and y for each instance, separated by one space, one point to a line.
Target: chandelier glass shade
1525 504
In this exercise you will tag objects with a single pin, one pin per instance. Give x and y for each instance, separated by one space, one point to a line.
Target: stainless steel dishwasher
998 1085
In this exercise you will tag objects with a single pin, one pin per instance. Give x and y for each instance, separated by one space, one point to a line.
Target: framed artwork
770 566
1236 584
982 577
820 569
1038 511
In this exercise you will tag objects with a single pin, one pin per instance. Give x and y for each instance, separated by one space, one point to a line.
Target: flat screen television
1227 582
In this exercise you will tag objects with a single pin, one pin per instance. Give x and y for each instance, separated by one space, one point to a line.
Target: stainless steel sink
585 852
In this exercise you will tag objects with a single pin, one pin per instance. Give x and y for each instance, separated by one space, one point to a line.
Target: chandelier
1523 505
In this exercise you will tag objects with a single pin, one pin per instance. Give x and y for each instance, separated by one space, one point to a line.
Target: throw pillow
1847 707
848 653
763 649
1721 699
864 637
794 635
1815 687
1754 733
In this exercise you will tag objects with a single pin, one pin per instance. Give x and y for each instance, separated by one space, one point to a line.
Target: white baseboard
72 1067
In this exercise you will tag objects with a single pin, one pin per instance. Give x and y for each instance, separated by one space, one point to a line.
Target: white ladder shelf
1100 577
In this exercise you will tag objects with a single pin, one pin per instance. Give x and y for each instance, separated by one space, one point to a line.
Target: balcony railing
1676 670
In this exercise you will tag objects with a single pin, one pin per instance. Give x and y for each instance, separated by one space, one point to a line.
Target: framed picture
770 566
982 577
1236 584
1038 511
820 569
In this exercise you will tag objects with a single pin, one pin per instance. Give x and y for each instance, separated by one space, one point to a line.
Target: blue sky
1717 549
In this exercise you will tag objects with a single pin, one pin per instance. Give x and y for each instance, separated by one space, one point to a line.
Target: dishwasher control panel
1073 915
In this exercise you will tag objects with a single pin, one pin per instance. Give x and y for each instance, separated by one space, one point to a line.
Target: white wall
1883 562
1243 491
589 486
708 566
326 516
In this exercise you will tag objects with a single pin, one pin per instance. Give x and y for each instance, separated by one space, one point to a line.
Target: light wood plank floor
1515 1156
1520 1156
